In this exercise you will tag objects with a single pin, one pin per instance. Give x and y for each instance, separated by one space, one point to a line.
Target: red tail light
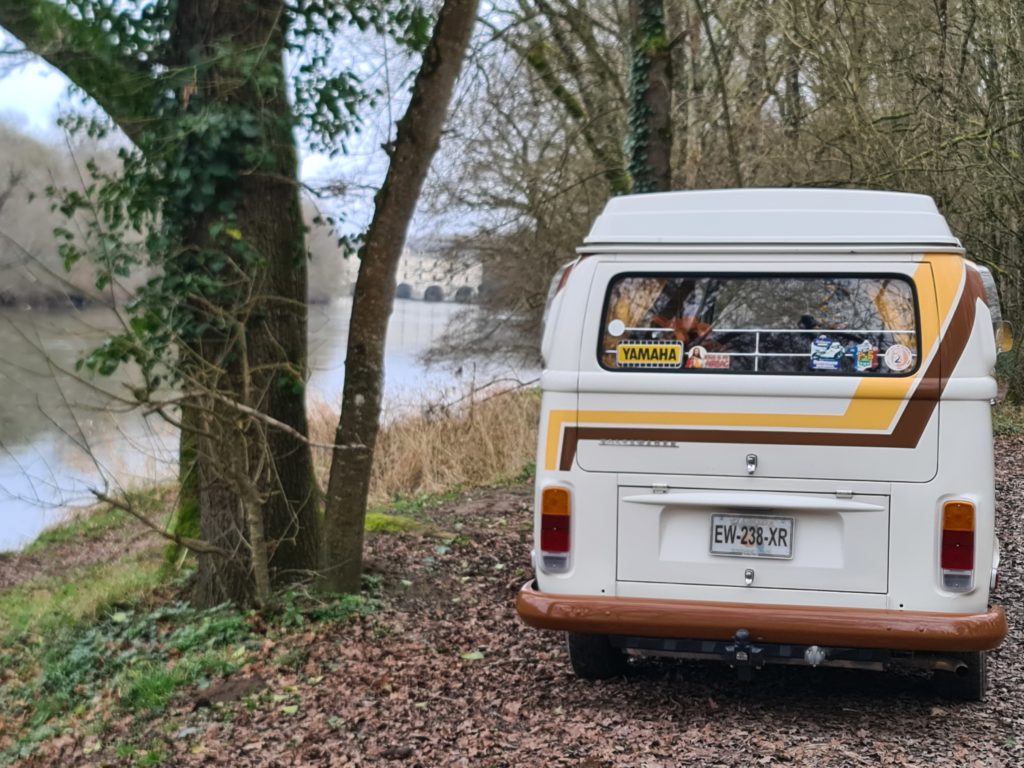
957 550
555 529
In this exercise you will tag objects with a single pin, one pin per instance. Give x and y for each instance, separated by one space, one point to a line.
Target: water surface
62 435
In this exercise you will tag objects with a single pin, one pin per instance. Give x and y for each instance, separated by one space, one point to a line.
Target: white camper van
766 437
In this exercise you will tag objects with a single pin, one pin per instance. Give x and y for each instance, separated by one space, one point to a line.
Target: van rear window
761 324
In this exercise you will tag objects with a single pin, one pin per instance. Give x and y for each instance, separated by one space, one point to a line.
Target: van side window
761 324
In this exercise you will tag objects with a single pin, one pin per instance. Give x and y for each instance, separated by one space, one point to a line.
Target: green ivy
649 37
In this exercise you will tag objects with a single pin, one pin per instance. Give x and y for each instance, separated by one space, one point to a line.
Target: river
61 436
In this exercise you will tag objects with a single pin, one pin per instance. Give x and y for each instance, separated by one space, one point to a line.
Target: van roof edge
768 248
785 215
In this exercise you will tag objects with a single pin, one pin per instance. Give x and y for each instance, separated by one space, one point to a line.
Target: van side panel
966 469
914 576
592 527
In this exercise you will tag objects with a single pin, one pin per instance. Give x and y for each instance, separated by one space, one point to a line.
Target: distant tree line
33 272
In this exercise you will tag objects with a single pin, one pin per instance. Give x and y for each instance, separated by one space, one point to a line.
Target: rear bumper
799 625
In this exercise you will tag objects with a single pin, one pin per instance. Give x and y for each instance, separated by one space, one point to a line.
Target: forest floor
434 669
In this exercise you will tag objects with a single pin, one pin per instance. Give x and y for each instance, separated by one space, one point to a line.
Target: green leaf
473 655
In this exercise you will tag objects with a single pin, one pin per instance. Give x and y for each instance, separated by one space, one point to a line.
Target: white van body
850 452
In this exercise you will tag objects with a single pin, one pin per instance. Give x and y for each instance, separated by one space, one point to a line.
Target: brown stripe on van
907 433
961 325
570 438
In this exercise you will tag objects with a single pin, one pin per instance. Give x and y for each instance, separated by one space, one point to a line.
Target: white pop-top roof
772 216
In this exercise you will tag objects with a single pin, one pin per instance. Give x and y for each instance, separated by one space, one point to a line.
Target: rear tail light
957 553
555 529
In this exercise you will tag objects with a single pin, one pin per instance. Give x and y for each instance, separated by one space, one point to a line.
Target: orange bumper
797 625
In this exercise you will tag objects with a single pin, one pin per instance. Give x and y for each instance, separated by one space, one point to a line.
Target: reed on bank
486 437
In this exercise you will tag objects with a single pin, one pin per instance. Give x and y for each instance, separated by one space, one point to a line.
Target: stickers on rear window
649 354
786 323
699 357
898 358
866 357
826 354
718 361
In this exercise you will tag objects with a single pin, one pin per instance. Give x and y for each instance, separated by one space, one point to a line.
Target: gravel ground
445 675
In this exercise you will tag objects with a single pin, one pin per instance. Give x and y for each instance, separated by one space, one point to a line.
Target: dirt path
445 675
57 560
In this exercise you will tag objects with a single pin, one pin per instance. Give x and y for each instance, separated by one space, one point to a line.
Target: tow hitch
743 656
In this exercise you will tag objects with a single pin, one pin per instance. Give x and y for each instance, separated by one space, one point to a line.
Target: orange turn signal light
958 516
555 501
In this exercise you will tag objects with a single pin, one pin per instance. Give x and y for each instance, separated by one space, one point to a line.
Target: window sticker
826 354
898 358
718 361
649 354
696 357
616 328
866 356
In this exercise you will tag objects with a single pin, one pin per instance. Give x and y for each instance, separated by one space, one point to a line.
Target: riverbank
89 537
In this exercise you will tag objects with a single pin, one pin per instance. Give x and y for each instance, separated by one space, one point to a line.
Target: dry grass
484 439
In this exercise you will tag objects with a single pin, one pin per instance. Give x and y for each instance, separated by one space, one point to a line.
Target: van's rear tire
593 657
967 684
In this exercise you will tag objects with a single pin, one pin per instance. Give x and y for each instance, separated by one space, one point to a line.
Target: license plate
749 536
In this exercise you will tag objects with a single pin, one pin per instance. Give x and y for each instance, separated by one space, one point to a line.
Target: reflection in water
60 436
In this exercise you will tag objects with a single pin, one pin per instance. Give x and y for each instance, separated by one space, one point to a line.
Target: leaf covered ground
441 673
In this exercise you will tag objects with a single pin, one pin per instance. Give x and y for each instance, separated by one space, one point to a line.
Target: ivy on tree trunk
650 108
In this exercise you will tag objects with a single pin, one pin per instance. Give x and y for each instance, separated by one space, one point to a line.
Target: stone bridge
428 277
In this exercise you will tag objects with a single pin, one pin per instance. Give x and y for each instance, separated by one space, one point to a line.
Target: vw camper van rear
766 437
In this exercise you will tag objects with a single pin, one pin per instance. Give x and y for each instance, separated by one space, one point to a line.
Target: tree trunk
418 135
263 366
650 109
723 93
607 153
694 103
222 521
186 520
792 100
